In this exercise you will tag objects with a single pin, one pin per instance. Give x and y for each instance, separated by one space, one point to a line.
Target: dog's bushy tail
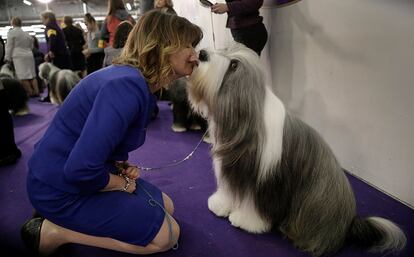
377 234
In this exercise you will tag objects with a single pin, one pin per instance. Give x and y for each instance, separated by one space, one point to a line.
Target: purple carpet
188 184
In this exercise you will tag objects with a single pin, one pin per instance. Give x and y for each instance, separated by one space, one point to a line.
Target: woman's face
159 3
183 62
44 20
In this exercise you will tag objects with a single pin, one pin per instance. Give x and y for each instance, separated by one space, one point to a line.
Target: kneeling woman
79 181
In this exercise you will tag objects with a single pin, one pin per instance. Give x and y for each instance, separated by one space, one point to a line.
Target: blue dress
103 118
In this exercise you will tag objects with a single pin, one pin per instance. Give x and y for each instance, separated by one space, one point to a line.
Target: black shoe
36 214
45 99
11 158
18 153
30 233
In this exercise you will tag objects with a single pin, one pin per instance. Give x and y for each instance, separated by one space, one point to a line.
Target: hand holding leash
130 184
128 170
219 8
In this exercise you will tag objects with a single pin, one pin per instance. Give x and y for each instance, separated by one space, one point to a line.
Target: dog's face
234 71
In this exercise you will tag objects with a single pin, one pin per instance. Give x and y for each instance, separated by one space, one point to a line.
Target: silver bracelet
127 183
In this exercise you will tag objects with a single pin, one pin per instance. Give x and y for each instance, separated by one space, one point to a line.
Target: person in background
75 41
121 35
19 52
2 51
244 21
79 180
9 153
93 53
39 58
116 14
165 6
57 51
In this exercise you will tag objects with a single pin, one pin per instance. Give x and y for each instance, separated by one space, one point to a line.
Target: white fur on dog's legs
221 202
178 128
246 217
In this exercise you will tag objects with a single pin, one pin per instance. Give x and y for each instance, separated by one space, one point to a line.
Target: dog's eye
234 64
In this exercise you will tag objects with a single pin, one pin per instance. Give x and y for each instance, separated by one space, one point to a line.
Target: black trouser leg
7 144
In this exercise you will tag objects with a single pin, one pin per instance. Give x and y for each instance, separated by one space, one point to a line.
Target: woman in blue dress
79 182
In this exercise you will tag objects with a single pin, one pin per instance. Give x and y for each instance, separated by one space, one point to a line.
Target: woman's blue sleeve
114 108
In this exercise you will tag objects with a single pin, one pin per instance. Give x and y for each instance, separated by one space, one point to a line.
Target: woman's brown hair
49 15
16 22
114 5
153 39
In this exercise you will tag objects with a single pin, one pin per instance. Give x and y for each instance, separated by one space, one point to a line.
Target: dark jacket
243 13
2 51
74 38
55 39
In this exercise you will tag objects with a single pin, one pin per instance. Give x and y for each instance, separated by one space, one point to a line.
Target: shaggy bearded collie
16 95
61 82
273 170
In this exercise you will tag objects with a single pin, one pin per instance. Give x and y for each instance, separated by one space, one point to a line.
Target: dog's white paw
247 221
195 127
178 128
207 139
219 205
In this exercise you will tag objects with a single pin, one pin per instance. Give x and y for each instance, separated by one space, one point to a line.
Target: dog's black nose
203 56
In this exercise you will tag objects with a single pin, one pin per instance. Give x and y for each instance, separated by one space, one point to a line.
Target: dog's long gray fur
61 81
307 195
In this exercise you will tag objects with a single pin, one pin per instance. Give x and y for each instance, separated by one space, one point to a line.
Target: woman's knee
167 236
168 204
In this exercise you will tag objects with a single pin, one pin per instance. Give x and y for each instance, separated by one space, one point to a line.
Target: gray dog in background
61 82
272 169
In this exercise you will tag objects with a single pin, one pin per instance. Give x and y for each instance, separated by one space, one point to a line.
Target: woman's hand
49 56
130 185
86 52
219 8
125 168
120 183
131 172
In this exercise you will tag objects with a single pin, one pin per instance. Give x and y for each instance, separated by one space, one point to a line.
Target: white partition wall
347 69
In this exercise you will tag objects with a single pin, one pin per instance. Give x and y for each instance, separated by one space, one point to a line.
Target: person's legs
52 236
139 222
47 97
168 204
9 153
34 87
95 62
27 87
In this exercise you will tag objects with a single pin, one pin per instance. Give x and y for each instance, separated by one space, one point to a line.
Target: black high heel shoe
30 233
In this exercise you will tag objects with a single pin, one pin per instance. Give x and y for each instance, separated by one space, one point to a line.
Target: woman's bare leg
27 87
168 204
52 236
35 87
